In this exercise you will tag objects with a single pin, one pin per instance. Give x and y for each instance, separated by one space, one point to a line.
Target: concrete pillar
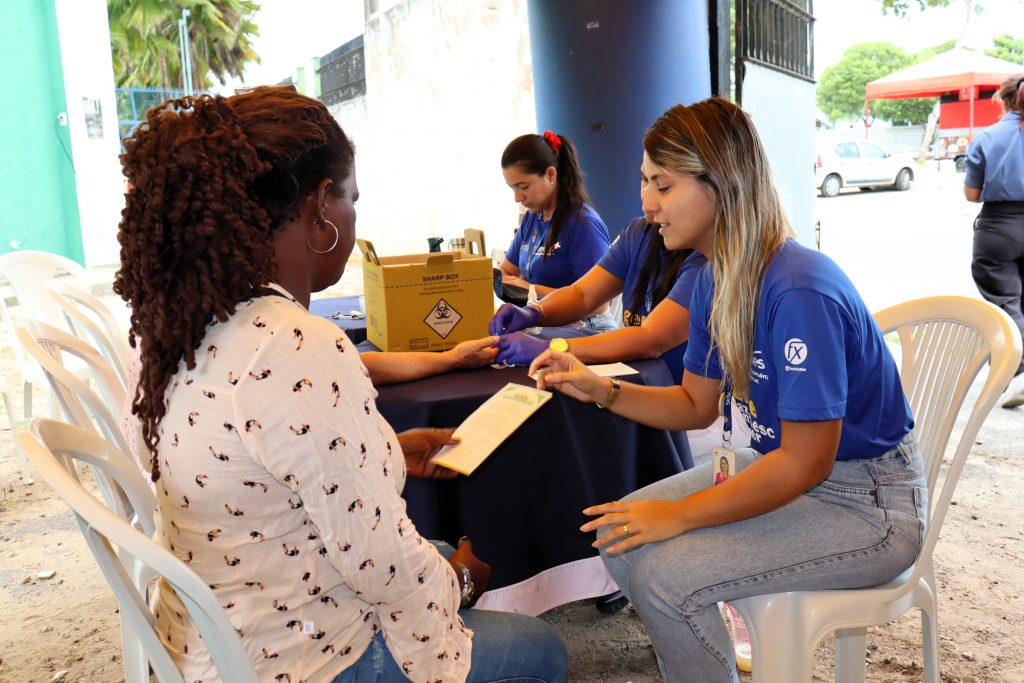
603 71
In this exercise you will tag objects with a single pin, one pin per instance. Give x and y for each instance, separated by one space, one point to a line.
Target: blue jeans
602 322
860 527
506 647
510 648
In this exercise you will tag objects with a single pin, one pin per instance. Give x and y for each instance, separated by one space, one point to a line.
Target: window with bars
343 73
777 34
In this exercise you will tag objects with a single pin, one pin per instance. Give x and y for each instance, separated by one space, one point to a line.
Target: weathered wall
448 84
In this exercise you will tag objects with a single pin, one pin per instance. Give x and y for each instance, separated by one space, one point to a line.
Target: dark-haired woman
561 235
655 278
278 482
995 176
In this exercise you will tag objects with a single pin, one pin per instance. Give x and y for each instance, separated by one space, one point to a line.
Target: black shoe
611 603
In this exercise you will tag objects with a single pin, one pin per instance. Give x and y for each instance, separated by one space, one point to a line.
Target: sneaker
611 603
1014 394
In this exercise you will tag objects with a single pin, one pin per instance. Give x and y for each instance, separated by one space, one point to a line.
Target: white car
859 163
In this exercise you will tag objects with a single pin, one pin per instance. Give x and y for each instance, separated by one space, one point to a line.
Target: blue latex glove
519 348
511 318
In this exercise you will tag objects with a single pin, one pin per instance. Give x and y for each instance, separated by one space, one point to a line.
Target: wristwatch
613 394
559 344
468 590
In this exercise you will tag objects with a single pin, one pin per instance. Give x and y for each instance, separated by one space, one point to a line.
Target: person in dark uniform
995 176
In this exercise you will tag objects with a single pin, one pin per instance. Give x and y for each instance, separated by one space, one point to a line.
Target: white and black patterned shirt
280 486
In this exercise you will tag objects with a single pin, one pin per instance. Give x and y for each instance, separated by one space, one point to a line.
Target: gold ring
625 528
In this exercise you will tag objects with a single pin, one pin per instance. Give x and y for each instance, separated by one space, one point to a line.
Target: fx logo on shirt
796 351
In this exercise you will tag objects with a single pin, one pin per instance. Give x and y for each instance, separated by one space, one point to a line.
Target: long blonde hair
715 142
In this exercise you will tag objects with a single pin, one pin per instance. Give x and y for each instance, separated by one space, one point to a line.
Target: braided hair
210 179
534 154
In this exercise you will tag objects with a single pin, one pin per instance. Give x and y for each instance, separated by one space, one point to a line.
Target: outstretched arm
666 327
406 366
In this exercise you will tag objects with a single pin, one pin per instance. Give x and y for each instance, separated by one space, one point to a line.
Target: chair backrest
50 445
47 345
27 271
945 342
90 320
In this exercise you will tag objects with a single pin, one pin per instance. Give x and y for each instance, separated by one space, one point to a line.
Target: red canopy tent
956 71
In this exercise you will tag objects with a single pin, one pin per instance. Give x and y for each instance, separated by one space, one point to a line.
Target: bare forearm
767 484
389 368
563 306
670 408
628 343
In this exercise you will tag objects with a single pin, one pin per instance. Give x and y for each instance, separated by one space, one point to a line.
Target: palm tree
144 40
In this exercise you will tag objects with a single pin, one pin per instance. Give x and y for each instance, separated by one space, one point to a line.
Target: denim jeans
506 647
602 322
510 648
860 527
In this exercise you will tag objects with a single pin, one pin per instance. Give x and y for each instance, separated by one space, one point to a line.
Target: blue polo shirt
625 259
581 243
818 355
995 161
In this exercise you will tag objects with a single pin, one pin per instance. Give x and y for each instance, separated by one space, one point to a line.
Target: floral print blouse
280 487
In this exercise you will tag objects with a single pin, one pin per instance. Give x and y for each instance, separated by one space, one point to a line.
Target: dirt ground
69 623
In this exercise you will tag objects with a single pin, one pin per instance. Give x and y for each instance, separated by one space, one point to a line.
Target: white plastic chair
48 345
90 320
5 398
945 342
50 446
27 272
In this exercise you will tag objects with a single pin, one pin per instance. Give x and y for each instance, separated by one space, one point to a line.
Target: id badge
723 465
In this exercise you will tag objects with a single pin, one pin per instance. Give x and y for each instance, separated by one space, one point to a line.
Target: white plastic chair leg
26 400
136 664
930 638
26 471
851 646
787 657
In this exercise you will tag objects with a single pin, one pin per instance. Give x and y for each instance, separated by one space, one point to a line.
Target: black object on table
338 310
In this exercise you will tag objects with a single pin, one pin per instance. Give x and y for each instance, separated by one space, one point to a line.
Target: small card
605 370
723 465
489 425
612 370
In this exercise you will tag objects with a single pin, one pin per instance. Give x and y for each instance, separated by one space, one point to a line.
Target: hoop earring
337 236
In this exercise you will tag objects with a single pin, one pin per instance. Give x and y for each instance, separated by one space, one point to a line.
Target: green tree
144 40
843 85
1009 48
915 111
841 90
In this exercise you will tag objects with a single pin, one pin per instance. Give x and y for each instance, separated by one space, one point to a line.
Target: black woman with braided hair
238 209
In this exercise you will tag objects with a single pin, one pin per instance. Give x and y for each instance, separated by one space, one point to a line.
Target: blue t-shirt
995 161
581 242
625 259
818 355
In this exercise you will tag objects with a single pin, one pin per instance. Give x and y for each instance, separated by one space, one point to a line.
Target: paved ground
895 246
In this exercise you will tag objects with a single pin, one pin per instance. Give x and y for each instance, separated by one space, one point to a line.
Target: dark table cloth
340 307
522 506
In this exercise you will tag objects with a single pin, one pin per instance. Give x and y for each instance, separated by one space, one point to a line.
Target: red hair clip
553 141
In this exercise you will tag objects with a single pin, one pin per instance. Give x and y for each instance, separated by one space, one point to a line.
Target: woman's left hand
420 445
635 523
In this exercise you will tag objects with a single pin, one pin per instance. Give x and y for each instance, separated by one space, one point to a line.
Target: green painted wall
38 201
